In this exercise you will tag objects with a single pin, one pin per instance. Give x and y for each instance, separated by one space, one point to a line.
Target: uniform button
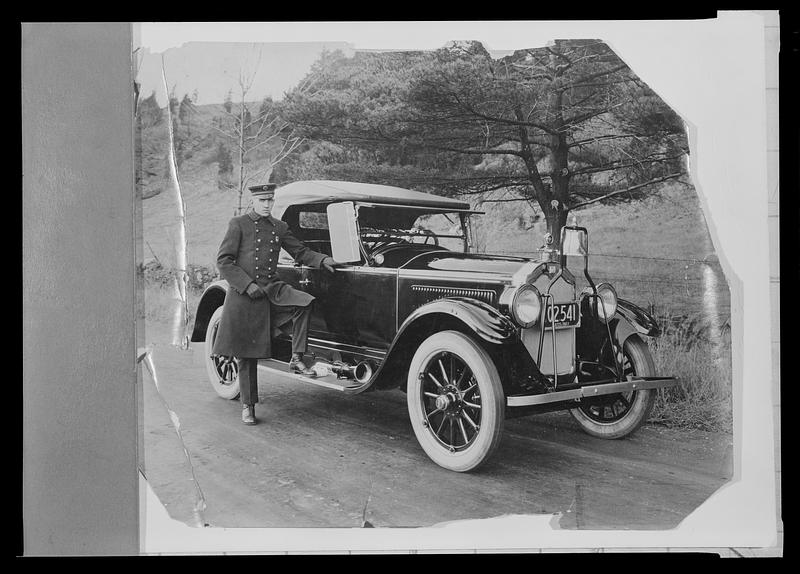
256 248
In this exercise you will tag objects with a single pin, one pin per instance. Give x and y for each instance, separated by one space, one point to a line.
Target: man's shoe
249 415
297 366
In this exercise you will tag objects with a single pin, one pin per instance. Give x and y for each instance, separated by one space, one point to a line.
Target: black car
472 339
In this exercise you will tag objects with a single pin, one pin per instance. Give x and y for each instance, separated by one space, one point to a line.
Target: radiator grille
432 292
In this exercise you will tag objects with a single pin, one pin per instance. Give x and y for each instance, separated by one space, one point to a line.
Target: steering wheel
372 242
429 235
388 246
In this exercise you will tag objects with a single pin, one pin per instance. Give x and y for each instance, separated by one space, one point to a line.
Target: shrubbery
700 357
156 274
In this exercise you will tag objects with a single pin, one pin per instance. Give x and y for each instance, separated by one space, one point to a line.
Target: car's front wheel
455 401
618 415
223 372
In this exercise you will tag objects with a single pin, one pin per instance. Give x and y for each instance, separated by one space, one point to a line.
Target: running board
330 381
634 384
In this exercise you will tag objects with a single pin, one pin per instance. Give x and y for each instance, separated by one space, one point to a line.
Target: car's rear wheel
455 401
618 415
223 373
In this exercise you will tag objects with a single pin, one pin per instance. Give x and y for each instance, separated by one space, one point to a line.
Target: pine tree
225 166
561 127
185 112
224 159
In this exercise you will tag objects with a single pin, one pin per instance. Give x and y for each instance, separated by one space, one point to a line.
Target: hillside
656 251
208 207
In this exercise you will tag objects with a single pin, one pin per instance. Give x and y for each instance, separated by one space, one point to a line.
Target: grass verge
702 363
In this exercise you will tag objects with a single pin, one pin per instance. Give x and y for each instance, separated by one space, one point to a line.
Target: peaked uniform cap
265 189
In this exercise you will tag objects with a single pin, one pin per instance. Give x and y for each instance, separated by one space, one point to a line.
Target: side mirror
574 241
344 232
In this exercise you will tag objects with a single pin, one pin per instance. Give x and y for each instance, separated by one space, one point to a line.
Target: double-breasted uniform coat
249 252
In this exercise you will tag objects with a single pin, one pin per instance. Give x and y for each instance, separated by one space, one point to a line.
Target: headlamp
526 306
607 302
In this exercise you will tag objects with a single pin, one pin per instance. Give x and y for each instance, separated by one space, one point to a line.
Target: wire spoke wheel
618 415
451 406
455 401
223 372
611 408
226 368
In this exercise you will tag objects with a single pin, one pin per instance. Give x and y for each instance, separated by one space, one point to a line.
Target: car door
354 307
359 305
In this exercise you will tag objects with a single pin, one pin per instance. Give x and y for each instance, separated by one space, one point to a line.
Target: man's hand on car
330 264
255 292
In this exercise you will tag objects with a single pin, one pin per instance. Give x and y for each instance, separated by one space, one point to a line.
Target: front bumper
592 390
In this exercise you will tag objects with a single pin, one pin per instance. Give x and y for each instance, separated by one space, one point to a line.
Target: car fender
460 313
633 320
628 320
484 320
213 297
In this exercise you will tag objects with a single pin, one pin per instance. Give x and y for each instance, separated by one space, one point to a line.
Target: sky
208 57
500 35
211 69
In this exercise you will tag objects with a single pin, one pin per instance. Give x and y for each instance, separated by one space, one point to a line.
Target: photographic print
410 288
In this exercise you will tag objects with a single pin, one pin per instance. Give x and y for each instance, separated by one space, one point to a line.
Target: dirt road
321 459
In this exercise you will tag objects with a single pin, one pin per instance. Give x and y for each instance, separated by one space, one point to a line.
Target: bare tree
266 133
180 326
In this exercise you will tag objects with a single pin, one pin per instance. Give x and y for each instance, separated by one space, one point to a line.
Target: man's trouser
280 315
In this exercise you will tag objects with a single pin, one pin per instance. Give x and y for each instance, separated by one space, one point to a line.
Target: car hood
449 262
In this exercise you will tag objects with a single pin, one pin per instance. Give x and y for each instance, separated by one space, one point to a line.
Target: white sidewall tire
225 390
639 412
492 401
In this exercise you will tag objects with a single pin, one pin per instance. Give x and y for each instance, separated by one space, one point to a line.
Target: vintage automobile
471 338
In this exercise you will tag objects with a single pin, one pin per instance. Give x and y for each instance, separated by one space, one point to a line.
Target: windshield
382 226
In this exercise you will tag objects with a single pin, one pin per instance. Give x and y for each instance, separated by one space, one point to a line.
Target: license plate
561 314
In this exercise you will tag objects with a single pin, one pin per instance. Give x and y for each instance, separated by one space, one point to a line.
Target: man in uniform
258 303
